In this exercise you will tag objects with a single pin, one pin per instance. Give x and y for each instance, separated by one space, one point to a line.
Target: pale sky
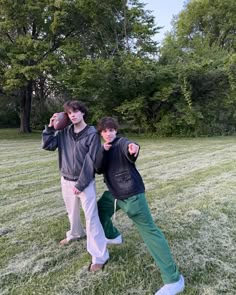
163 10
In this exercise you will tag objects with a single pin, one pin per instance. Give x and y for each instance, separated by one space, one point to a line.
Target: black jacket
118 168
76 156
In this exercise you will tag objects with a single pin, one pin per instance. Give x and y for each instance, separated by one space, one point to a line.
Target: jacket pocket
124 181
123 176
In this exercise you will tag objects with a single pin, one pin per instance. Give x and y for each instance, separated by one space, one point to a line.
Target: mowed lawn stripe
191 192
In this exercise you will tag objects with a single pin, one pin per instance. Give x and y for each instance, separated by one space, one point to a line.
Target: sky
163 10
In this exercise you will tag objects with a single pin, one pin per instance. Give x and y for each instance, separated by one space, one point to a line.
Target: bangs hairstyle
107 123
74 105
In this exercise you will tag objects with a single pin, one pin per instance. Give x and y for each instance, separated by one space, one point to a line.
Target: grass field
191 190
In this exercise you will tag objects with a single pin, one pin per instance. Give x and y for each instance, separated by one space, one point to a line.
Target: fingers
76 191
133 149
137 150
107 146
52 119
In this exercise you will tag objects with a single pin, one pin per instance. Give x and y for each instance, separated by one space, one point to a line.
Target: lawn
191 190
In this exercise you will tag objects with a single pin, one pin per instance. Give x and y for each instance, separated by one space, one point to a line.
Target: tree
41 38
31 32
101 72
200 51
212 20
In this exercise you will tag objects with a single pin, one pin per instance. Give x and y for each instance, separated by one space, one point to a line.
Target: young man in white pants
77 146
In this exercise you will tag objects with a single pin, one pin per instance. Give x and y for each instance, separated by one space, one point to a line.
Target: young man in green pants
116 161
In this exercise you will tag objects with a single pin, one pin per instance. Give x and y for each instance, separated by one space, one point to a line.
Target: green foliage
106 83
149 97
230 67
212 20
9 112
59 40
203 63
102 53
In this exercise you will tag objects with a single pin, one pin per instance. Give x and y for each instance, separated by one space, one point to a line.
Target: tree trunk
25 108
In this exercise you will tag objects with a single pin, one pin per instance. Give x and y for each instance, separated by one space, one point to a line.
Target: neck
79 126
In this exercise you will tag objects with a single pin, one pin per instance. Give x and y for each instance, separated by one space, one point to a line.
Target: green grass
191 190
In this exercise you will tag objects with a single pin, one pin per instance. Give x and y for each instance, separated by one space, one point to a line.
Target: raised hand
107 146
52 119
133 149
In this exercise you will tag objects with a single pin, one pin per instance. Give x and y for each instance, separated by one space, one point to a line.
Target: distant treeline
102 52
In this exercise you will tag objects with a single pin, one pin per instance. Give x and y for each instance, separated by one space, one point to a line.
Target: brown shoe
96 267
66 242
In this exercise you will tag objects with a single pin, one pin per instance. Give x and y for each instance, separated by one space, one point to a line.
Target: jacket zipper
74 159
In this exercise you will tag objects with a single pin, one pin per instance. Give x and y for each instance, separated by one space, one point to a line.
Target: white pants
96 240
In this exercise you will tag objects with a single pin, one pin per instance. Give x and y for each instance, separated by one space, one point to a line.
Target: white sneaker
173 288
116 241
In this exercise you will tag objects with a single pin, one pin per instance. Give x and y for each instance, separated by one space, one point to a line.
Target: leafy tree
31 32
212 20
40 39
200 50
150 87
101 74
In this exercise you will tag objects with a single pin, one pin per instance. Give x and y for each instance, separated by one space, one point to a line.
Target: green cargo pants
138 211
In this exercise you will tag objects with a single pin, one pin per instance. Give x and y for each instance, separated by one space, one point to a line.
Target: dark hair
107 123
75 105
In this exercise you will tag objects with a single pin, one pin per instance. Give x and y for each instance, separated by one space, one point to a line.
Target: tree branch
9 37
